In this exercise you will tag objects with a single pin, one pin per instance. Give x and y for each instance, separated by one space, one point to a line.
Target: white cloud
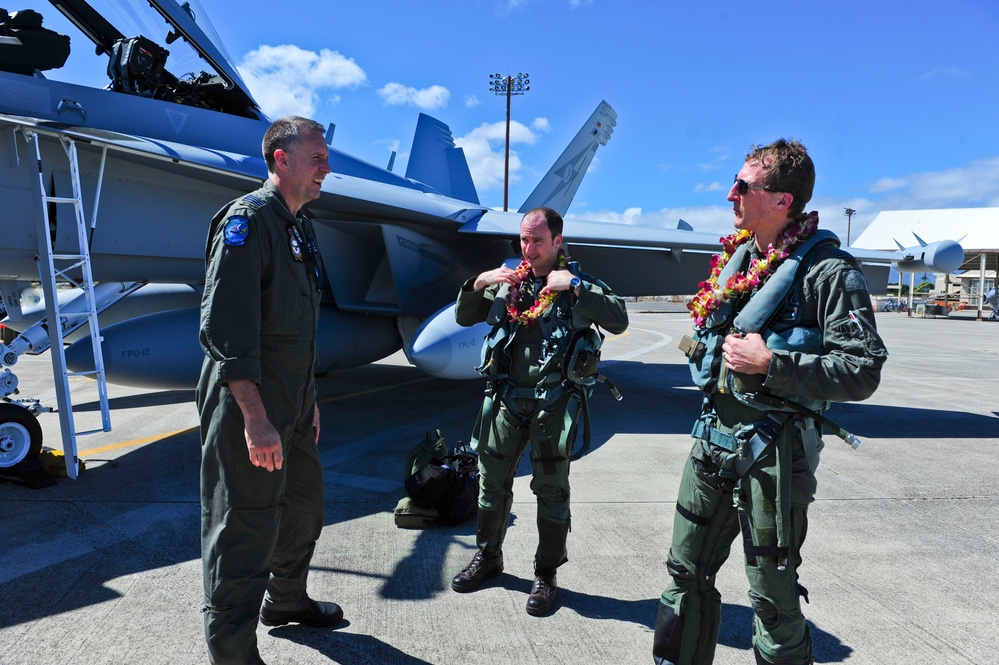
706 219
714 186
976 184
946 72
885 185
483 148
506 7
541 125
286 79
426 99
471 101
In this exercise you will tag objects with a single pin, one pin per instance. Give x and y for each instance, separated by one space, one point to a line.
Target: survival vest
569 360
757 316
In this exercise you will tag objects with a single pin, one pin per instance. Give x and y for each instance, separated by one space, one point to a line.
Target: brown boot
544 594
481 568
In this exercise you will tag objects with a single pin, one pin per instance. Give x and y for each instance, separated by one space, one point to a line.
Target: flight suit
530 405
768 505
258 323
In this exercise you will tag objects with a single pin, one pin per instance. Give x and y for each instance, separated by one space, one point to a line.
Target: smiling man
535 310
782 326
261 477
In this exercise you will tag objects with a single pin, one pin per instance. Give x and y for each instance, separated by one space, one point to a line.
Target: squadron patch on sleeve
236 229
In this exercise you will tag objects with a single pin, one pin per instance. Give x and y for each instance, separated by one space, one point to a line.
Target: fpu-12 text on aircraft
111 190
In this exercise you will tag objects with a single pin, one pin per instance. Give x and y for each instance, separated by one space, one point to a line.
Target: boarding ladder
56 267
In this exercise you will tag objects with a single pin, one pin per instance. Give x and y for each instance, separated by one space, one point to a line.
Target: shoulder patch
236 229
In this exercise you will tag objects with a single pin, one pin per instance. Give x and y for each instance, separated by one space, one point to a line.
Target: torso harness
570 353
704 353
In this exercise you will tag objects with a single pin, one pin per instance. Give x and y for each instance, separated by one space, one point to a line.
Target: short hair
552 219
285 134
786 168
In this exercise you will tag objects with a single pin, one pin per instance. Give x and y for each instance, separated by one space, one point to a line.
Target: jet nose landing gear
20 435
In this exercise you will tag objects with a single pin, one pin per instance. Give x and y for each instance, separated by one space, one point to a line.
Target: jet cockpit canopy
196 70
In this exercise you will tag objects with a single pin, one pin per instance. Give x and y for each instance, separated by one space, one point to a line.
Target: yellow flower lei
712 295
542 304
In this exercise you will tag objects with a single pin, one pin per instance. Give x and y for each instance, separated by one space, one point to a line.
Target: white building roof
977 229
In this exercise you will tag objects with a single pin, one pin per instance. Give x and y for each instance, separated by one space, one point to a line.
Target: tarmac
901 561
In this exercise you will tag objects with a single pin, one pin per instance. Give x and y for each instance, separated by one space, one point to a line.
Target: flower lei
541 305
712 295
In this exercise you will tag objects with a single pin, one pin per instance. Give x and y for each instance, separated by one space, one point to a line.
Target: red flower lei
541 305
712 295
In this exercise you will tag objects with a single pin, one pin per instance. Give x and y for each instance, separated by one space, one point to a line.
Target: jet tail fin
559 185
435 161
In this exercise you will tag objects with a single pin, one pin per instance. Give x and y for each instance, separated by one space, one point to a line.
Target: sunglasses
742 186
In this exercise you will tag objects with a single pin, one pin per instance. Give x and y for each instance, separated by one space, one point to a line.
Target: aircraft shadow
899 422
161 398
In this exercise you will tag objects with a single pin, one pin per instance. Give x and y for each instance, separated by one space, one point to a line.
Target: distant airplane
112 190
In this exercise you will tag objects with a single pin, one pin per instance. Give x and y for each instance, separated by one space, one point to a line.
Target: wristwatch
574 282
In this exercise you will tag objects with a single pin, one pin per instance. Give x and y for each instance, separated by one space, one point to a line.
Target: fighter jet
111 190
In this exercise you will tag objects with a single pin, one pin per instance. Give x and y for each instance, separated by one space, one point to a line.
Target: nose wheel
20 435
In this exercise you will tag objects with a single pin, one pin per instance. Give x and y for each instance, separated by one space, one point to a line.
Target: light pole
508 85
850 212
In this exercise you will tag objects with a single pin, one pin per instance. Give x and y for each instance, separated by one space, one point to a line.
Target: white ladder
56 267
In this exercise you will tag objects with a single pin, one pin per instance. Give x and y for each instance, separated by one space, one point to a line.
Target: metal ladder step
51 275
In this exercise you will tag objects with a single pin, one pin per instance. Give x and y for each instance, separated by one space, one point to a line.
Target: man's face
538 246
307 166
759 211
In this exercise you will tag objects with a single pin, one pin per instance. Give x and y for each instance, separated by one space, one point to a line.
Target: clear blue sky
896 101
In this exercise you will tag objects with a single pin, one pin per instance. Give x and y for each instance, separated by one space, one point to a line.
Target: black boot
544 594
488 561
550 555
481 568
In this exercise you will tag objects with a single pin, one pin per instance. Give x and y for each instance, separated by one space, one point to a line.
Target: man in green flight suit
783 326
534 310
261 477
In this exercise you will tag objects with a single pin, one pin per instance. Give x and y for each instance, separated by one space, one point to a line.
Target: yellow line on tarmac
135 442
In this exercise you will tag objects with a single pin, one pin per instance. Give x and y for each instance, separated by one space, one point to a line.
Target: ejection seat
26 47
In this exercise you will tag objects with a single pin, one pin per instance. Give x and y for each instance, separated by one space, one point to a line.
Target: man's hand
558 280
262 440
497 276
315 423
746 354
264 444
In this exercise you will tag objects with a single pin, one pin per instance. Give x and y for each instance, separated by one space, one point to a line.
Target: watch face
574 282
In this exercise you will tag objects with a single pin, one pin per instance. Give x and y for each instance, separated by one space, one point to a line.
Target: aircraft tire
20 435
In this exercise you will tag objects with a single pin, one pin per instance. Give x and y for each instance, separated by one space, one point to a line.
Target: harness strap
690 516
748 444
752 550
584 406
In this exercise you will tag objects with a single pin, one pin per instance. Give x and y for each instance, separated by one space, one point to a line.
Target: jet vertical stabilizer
559 185
435 161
